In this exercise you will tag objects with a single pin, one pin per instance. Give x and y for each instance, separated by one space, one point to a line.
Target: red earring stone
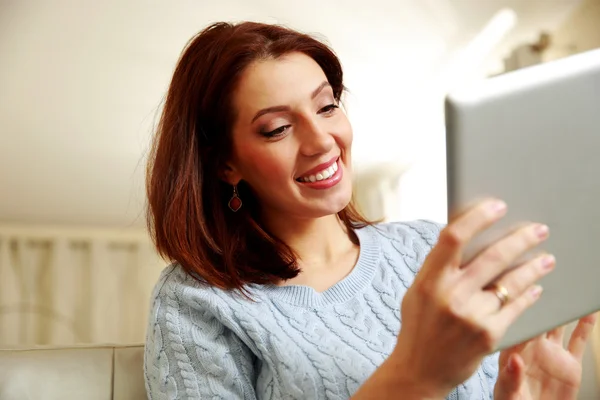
235 203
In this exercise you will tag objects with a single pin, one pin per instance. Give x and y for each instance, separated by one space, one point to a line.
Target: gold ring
501 293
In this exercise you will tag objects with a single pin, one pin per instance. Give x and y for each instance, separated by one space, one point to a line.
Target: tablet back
532 138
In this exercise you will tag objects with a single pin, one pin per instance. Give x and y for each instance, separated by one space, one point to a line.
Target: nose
315 138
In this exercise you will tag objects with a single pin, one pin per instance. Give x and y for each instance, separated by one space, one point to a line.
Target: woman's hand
542 368
450 318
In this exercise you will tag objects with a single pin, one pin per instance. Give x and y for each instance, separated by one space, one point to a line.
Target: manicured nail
511 365
548 262
542 231
536 291
498 207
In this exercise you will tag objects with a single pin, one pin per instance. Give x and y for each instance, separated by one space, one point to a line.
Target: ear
229 174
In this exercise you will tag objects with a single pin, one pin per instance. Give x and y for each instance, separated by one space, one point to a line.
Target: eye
329 109
276 132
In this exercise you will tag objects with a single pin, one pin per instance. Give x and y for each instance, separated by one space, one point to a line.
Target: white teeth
325 174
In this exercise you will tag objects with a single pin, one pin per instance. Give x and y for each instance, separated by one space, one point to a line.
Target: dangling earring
235 203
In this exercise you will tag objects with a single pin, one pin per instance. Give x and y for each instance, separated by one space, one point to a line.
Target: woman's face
291 142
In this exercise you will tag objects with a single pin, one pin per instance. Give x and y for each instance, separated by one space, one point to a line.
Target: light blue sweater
291 342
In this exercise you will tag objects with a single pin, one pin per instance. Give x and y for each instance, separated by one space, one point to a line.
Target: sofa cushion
56 374
129 373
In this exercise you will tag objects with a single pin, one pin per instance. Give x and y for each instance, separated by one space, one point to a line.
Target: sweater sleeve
189 352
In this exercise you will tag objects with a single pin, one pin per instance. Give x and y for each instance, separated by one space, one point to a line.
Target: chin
336 202
330 206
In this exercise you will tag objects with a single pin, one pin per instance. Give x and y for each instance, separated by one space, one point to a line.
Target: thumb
510 379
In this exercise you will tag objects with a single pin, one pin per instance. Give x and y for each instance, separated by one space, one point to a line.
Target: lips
320 172
321 175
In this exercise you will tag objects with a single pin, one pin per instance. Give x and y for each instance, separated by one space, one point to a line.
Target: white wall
82 81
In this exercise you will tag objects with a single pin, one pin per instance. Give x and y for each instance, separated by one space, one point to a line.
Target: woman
280 289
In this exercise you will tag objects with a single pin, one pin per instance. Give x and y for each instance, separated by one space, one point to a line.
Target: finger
516 282
511 377
477 218
462 230
467 207
511 311
580 336
557 335
516 370
496 259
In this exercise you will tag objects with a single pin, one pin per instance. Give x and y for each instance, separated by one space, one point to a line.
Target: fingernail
542 231
511 365
498 207
548 262
536 291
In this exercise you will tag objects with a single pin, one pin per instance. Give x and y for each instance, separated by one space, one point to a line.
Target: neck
318 242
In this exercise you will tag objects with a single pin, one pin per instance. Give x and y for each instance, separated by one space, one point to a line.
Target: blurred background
81 84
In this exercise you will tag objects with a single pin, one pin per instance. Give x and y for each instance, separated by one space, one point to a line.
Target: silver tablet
532 138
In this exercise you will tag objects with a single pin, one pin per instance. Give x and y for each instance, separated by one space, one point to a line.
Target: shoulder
193 342
188 312
405 245
423 231
417 236
179 298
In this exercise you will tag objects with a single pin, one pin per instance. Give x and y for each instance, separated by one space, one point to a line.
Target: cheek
350 136
345 132
264 168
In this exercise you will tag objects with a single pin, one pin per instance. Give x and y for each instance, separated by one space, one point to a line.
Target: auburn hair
188 215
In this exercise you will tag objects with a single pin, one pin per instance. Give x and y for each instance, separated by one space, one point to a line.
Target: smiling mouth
321 175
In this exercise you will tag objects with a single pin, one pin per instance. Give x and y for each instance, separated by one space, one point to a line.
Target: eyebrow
318 90
274 109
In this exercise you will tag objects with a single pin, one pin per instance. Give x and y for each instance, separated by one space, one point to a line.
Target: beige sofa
115 372
73 373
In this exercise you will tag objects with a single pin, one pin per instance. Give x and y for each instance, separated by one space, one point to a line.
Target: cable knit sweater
291 342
